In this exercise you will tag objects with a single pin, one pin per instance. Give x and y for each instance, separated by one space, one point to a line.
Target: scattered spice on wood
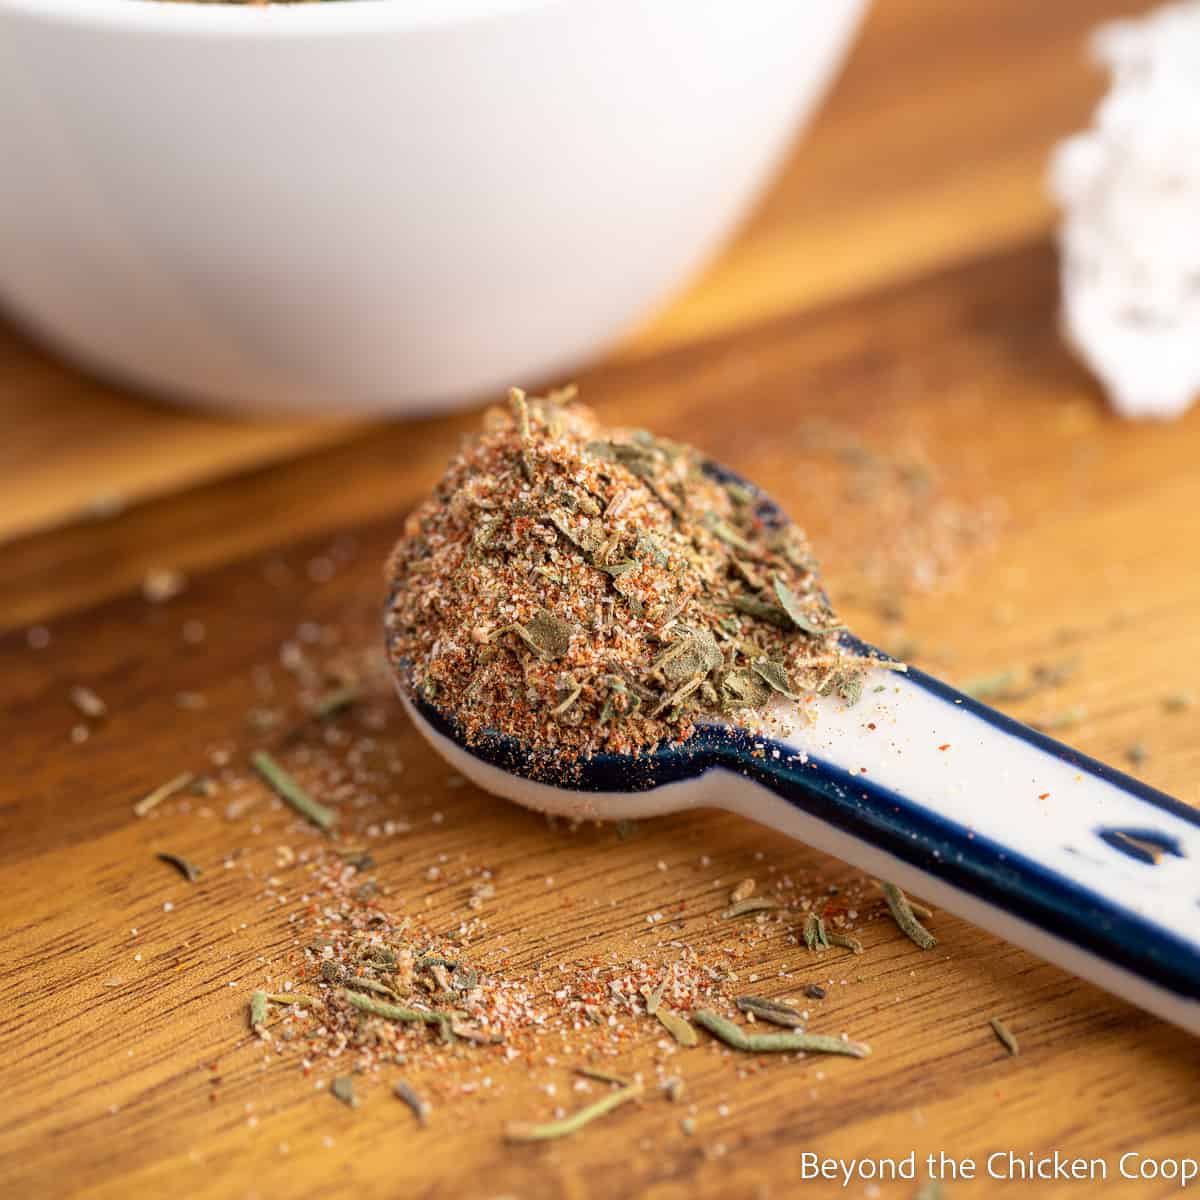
1179 701
814 991
902 910
767 1043
288 790
163 792
420 1107
187 869
585 590
774 1011
1007 1038
521 1131
751 904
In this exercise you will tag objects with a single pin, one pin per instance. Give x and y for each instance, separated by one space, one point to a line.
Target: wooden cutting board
898 289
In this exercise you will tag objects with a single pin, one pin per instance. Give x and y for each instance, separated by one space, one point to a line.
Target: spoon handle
925 787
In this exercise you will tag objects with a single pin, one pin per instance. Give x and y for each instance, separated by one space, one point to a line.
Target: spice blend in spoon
587 590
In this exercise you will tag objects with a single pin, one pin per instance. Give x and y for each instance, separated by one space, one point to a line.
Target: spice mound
601 591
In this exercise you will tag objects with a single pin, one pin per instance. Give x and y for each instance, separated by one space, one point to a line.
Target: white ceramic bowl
388 205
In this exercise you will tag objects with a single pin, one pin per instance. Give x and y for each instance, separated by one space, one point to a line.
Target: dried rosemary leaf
342 1089
336 701
296 998
289 791
395 1012
163 792
358 983
751 904
845 941
770 1010
767 1043
603 1076
188 870
523 1131
815 937
903 913
420 1108
682 1031
1007 1038
920 911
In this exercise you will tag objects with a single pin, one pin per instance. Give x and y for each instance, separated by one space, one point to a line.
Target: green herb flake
775 676
1005 1035
906 918
288 790
420 1107
187 869
258 1009
792 605
815 936
682 1031
163 792
395 1012
545 634
752 904
342 1089
844 941
522 1131
768 1043
773 1011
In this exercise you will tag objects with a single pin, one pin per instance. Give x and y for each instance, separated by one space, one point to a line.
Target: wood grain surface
896 296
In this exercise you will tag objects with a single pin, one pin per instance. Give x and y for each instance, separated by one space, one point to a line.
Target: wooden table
899 283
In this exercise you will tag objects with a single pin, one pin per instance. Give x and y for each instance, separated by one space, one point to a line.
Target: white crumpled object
1130 235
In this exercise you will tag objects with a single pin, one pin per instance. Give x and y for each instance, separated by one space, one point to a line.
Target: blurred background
931 150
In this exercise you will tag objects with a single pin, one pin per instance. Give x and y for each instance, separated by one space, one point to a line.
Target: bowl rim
266 21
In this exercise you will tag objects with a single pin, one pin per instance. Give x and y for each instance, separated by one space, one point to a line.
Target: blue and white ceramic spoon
923 786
